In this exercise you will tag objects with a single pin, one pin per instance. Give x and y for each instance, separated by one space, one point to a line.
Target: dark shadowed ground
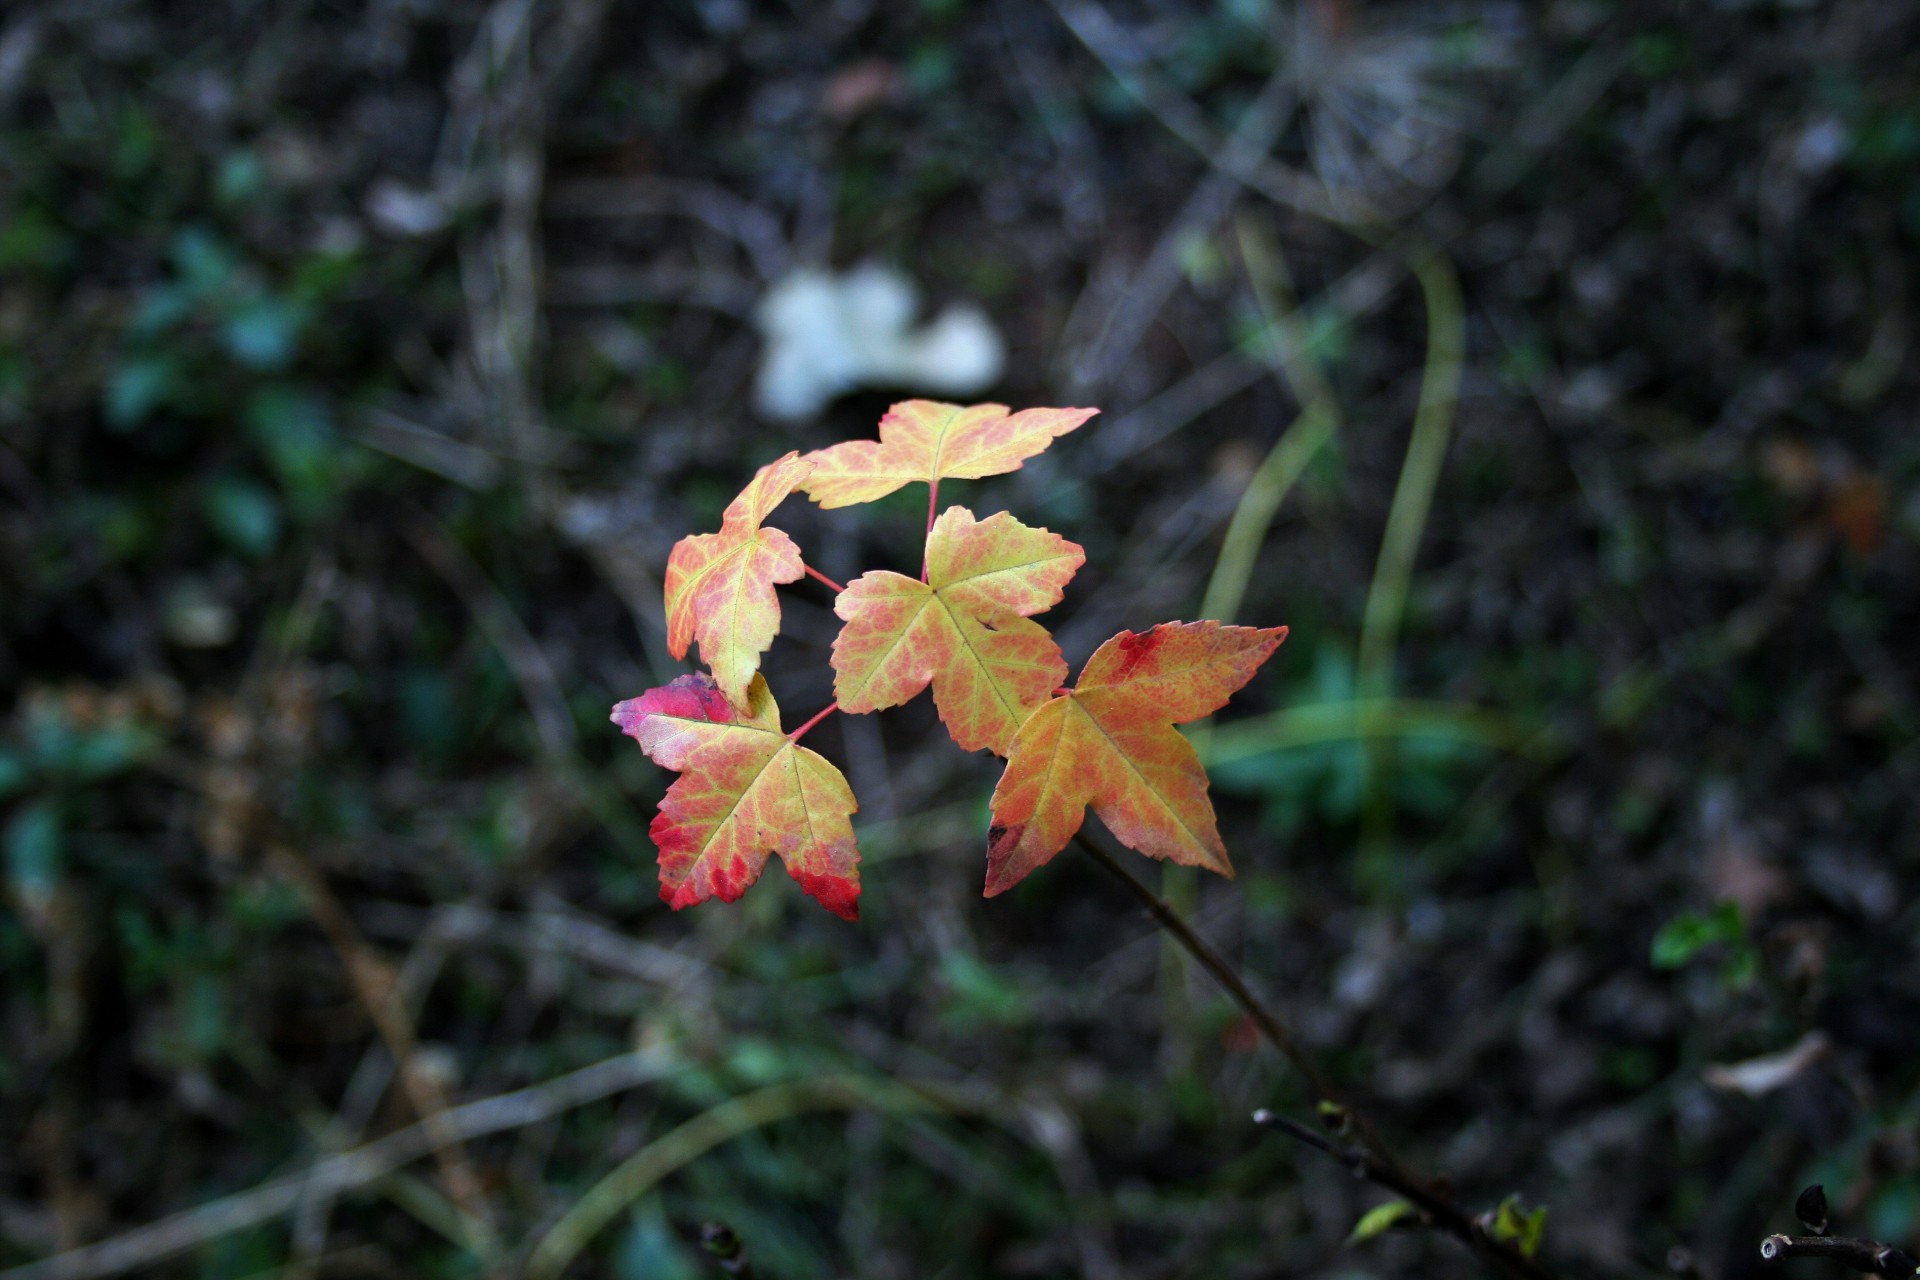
361 363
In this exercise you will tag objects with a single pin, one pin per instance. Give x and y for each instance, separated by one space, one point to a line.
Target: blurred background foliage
359 364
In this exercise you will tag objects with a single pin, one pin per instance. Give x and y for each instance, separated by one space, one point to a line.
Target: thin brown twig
528 662
372 979
1438 1211
312 1222
754 229
1115 50
1869 1256
374 985
1219 966
1372 1159
1128 320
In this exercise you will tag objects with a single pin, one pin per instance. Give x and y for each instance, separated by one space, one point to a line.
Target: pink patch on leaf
1135 648
655 718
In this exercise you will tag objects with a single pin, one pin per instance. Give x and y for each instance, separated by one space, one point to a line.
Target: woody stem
1216 964
1372 1158
801 732
815 573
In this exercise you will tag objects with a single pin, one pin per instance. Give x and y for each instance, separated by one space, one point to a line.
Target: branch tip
1811 1209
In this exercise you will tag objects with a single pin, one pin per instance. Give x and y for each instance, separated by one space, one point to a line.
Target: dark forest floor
359 365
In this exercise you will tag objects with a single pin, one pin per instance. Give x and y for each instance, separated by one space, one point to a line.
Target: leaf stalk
815 573
933 505
822 714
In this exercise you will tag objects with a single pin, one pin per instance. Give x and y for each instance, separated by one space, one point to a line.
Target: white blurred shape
830 333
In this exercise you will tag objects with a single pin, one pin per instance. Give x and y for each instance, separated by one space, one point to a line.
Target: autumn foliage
965 628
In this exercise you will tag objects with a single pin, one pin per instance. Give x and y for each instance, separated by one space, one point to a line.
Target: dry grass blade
375 987
351 1170
1419 474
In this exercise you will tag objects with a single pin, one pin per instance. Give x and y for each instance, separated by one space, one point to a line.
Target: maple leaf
719 586
1110 743
745 790
965 630
929 441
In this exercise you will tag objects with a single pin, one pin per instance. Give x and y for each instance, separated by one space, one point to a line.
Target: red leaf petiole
933 503
815 573
801 732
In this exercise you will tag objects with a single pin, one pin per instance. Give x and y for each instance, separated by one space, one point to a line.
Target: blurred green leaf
1519 1227
241 179
1691 932
162 308
245 1255
101 753
756 1061
1893 1211
203 1016
431 717
319 276
31 239
264 906
930 69
137 388
34 850
13 773
245 514
204 260
980 993
294 430
649 1249
121 525
1629 1066
1380 1219
263 332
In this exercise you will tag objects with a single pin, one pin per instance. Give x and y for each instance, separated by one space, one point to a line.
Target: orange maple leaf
745 790
1110 743
928 441
719 586
965 630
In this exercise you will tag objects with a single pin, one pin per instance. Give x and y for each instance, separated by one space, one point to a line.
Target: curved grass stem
645 1168
1293 361
1419 474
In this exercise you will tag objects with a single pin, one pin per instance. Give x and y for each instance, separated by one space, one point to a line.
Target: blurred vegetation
359 365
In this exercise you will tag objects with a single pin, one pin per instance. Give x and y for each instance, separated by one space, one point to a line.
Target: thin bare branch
1868 1256
1372 1159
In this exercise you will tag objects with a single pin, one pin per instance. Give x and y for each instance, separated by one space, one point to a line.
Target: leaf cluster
964 629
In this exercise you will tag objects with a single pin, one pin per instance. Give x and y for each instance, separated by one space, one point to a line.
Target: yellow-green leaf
964 630
719 586
1381 1219
928 441
1523 1229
